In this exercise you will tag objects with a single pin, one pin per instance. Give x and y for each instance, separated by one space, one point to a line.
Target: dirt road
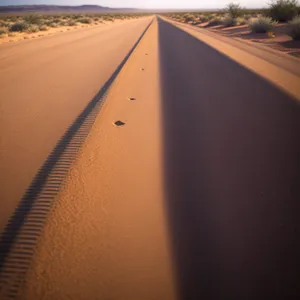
194 196
45 84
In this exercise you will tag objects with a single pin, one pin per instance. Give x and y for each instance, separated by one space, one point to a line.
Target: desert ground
148 159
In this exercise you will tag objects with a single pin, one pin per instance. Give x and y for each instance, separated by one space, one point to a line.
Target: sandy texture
106 238
45 84
196 195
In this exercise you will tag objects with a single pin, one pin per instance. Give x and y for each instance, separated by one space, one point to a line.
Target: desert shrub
12 19
4 24
247 17
233 10
203 18
85 20
229 21
262 24
56 20
53 25
32 28
33 19
76 17
295 28
283 10
188 18
43 28
241 21
3 30
19 27
62 23
71 23
215 21
210 17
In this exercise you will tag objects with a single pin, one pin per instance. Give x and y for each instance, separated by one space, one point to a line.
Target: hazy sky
144 3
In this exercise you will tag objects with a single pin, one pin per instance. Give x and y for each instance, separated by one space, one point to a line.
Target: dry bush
215 21
19 27
283 10
3 31
295 28
262 24
229 21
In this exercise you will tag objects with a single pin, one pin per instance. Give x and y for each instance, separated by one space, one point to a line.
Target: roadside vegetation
280 13
32 23
295 28
277 26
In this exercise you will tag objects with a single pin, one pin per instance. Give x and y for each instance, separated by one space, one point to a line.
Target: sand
45 84
107 231
195 195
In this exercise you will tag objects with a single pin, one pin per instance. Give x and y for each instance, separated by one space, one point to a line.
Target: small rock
119 123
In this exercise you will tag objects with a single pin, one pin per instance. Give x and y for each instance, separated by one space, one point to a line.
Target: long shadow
232 171
42 191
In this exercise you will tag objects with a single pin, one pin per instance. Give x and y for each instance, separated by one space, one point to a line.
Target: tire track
20 236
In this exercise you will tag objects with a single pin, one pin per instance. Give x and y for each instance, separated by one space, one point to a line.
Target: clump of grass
229 21
262 25
283 10
295 28
19 27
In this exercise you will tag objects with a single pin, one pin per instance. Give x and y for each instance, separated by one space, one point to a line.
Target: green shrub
229 21
19 27
262 25
295 28
283 10
233 10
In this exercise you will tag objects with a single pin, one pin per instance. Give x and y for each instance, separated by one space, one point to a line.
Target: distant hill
61 9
